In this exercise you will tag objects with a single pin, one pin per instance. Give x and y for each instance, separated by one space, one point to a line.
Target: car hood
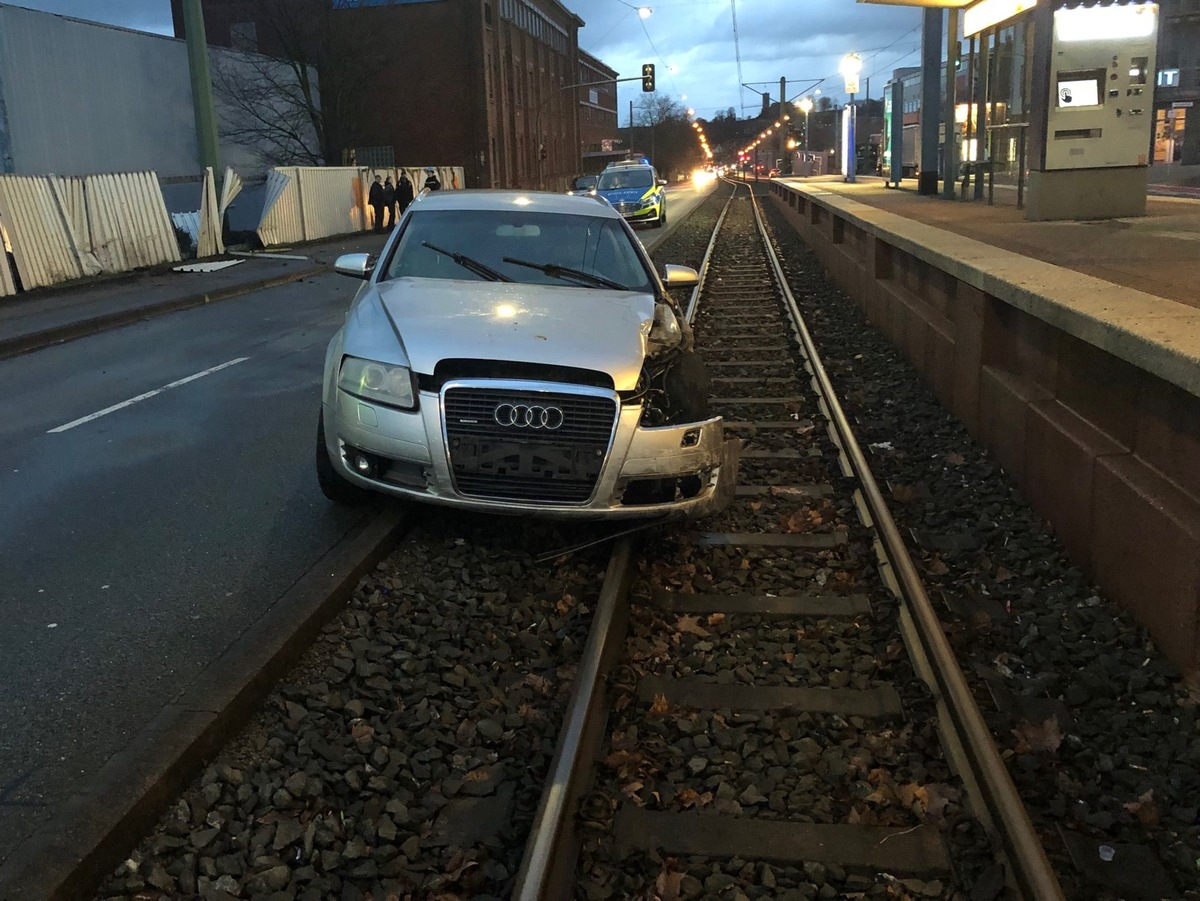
588 328
625 195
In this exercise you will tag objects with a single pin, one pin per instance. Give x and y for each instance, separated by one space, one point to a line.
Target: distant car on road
635 191
517 352
583 184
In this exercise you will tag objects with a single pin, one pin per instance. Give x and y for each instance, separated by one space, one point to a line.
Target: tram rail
552 864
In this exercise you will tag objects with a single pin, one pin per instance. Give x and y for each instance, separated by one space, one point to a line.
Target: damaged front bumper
672 472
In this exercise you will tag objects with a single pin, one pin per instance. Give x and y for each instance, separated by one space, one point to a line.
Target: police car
635 191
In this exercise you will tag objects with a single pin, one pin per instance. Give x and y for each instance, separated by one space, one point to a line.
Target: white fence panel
331 202
35 224
310 203
130 226
65 228
307 203
280 222
7 285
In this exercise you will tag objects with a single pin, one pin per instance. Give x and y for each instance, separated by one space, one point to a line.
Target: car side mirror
680 276
355 265
662 182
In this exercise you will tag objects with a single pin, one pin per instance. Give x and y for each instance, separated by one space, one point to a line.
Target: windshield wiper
555 271
466 262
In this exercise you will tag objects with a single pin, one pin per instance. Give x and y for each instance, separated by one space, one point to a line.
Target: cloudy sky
800 40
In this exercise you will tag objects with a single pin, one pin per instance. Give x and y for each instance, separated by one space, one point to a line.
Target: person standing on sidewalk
404 194
375 199
389 202
432 182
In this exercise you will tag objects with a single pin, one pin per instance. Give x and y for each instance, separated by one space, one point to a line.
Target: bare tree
655 108
265 109
279 106
673 144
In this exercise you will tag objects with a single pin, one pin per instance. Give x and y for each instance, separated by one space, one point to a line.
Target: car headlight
384 382
665 332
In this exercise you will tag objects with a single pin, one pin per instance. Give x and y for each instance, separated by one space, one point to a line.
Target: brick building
599 144
471 83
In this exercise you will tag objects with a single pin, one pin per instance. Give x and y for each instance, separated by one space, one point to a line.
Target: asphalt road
136 546
157 495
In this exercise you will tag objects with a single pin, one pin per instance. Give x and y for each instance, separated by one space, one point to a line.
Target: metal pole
807 149
950 150
989 103
783 128
972 120
851 149
931 92
983 91
896 138
1021 167
202 98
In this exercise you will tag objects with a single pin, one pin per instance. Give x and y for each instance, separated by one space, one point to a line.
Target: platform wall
1099 428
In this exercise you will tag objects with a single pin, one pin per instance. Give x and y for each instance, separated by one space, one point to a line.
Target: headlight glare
383 382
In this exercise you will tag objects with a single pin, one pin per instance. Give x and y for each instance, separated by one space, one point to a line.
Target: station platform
1071 350
1158 253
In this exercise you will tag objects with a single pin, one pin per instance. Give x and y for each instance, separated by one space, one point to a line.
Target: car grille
629 207
521 462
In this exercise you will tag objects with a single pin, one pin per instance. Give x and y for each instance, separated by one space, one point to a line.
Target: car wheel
333 484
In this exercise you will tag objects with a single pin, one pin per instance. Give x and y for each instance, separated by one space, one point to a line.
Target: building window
244 36
487 14
375 157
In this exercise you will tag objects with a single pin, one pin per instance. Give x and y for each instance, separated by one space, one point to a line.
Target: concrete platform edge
1142 330
22 344
85 840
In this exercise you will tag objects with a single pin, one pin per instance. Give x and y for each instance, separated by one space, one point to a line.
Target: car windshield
615 179
589 245
584 182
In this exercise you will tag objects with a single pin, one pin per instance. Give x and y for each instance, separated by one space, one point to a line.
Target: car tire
333 484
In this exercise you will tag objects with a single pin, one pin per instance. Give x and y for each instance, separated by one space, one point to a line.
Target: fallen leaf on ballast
691 625
1036 738
1145 810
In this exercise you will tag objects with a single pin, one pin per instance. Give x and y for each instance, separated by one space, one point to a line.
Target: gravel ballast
1099 729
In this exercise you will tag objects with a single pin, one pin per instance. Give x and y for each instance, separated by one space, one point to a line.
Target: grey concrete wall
1087 392
85 98
78 98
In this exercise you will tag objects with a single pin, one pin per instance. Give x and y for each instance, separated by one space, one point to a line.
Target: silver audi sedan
516 352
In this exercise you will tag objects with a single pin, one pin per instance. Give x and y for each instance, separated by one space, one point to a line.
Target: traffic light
648 77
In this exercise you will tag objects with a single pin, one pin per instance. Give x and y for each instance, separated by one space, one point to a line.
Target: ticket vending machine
1099 113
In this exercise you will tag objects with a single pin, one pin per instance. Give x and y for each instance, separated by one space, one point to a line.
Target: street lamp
806 106
643 11
850 68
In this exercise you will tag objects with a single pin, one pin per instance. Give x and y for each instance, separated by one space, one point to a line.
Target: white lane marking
141 397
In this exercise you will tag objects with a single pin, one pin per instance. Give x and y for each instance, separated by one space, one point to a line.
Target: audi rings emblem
523 416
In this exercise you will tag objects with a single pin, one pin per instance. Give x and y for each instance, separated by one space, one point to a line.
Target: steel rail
540 876
1026 856
694 299
536 878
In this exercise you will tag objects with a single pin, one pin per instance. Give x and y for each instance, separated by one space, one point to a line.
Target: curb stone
22 344
69 856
